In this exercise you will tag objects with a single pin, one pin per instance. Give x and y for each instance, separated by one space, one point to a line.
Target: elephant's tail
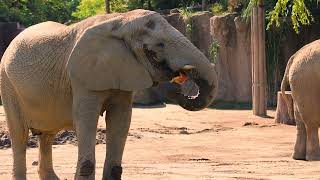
284 84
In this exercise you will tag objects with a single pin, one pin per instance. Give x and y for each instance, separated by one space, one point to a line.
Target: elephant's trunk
207 93
205 98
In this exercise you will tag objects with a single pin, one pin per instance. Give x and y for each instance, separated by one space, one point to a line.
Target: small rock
184 132
176 10
250 124
35 163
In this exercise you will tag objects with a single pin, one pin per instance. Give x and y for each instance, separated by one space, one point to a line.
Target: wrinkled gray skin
56 77
303 75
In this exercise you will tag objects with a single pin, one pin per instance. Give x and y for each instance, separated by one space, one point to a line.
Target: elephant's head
134 50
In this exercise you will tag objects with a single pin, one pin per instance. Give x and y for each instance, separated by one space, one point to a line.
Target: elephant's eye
161 45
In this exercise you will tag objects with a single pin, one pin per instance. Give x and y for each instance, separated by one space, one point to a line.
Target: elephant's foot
19 177
85 177
49 177
115 174
299 151
313 154
86 171
313 157
299 155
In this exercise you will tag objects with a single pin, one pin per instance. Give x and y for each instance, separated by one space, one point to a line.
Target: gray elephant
56 77
303 75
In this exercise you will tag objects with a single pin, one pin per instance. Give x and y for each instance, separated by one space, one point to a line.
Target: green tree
88 8
161 4
29 12
297 9
278 11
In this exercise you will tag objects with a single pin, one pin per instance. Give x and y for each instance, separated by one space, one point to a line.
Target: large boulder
200 32
176 20
234 57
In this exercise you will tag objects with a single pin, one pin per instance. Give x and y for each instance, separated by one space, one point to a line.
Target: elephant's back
43 29
35 64
40 48
306 61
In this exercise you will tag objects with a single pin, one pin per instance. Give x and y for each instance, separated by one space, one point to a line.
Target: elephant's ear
102 61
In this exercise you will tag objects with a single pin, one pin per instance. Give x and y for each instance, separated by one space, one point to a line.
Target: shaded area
63 137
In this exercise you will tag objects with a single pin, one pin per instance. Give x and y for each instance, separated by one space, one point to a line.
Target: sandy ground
171 143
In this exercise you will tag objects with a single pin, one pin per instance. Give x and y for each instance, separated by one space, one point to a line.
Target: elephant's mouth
160 64
188 88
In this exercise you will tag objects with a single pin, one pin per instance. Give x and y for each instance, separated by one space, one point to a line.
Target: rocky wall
200 32
234 57
176 20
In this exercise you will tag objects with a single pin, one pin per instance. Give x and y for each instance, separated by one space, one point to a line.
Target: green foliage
119 5
30 12
249 4
214 47
88 8
217 9
274 38
160 4
279 10
224 3
300 14
187 14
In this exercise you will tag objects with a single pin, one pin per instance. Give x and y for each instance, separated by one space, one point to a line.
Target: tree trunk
149 5
107 6
282 113
141 4
258 60
204 5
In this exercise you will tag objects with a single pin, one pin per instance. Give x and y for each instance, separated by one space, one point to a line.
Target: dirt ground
171 143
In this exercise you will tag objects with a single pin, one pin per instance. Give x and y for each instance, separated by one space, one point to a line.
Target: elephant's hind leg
306 98
18 132
45 168
313 150
300 145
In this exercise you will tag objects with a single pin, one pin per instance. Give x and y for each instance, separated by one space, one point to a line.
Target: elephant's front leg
118 118
86 110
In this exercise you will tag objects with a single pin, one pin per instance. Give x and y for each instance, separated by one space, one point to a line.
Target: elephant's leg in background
309 115
305 94
45 168
118 118
86 109
300 145
313 149
18 129
19 139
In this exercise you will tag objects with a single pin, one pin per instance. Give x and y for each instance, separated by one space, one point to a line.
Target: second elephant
303 75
